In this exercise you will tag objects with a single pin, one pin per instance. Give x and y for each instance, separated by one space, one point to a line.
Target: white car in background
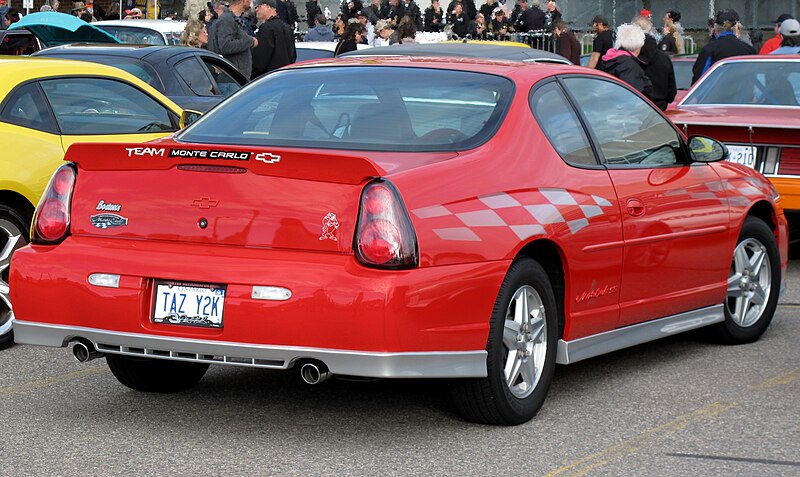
144 32
315 50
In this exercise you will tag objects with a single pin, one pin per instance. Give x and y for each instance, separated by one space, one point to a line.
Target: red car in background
402 218
752 104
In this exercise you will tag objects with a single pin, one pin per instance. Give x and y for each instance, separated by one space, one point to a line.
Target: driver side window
629 131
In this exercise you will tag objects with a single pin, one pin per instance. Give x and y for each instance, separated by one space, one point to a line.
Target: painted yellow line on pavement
583 466
782 380
43 383
617 451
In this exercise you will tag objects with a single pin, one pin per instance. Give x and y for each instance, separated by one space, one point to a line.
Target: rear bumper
354 363
426 322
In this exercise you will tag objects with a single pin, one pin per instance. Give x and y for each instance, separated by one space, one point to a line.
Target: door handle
635 207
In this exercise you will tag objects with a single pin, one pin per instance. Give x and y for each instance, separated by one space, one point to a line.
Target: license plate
191 304
744 155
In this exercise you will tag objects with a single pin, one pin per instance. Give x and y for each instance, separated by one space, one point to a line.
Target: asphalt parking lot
680 406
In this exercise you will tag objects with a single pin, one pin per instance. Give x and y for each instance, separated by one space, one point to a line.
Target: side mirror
705 149
188 117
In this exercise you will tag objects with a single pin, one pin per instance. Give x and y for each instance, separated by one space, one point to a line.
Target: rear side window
195 75
27 108
361 108
104 106
226 83
561 126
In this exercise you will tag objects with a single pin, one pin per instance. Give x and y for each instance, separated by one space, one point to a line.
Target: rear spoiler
291 163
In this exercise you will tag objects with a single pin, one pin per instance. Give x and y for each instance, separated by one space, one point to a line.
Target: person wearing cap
321 30
725 45
775 42
275 48
790 34
384 30
434 17
227 36
501 25
603 41
78 9
369 37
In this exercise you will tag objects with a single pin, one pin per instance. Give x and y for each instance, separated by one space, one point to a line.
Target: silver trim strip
434 364
602 343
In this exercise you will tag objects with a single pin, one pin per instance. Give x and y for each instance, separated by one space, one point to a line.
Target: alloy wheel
11 238
525 341
749 283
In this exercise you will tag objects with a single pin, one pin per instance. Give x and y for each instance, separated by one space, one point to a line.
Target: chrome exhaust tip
314 373
84 351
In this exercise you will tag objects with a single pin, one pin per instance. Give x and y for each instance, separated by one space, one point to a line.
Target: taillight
51 222
384 235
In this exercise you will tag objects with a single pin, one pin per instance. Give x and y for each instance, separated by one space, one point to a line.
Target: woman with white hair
622 61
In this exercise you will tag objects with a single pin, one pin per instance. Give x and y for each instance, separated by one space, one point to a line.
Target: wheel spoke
537 332
519 304
734 285
511 358
515 370
759 295
742 305
528 372
5 253
740 259
526 312
757 261
510 333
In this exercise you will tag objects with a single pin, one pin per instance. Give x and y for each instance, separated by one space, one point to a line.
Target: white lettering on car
108 206
145 151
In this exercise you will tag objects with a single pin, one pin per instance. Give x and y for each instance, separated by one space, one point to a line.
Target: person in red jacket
775 42
568 45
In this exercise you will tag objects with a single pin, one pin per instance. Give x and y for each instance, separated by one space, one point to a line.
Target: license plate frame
182 303
742 155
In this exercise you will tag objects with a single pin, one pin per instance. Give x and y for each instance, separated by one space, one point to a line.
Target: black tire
755 237
12 223
155 375
492 400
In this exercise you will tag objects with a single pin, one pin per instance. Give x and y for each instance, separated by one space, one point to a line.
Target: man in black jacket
658 67
529 18
725 44
275 40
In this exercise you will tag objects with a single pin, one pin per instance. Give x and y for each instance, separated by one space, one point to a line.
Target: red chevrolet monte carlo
401 218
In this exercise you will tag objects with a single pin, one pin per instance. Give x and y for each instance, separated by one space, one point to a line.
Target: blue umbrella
54 28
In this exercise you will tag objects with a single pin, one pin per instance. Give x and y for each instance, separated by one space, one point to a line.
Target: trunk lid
234 196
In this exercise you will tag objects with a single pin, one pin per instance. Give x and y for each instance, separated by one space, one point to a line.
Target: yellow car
46 105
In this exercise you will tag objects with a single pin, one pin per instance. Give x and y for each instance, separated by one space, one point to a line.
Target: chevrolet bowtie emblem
205 203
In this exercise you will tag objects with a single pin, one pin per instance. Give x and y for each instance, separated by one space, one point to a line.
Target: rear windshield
360 108
773 83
